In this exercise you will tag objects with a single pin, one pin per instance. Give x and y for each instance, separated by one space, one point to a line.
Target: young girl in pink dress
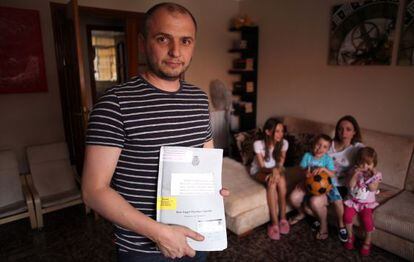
363 185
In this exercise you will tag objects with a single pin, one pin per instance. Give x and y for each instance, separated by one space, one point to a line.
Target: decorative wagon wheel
365 37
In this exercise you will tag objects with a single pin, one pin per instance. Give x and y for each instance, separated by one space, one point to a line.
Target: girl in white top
267 168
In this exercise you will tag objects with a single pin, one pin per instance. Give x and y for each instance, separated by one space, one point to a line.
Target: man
128 126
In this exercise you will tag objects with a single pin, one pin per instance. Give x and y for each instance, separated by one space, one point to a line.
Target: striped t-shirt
140 118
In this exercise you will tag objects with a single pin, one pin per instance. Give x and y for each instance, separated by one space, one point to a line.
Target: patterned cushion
244 143
298 145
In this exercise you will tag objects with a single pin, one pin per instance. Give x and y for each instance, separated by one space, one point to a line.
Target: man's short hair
171 8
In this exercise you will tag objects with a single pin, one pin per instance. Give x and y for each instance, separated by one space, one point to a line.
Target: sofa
246 207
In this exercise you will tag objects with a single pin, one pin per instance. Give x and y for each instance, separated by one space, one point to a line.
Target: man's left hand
224 192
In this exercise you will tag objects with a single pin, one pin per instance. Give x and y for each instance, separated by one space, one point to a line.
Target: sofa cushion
397 215
386 193
394 155
297 125
248 220
246 193
409 184
394 244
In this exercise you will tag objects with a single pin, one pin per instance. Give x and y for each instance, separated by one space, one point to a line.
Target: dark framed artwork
362 33
22 66
406 48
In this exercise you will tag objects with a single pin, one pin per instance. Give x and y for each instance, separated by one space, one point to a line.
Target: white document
189 184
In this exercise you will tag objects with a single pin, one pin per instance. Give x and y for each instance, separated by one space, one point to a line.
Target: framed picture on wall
22 66
406 48
362 33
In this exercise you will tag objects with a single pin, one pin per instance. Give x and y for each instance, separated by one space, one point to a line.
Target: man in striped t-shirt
127 127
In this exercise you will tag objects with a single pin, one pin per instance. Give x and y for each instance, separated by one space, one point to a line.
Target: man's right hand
172 241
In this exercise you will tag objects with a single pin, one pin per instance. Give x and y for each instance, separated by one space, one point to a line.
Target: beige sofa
246 207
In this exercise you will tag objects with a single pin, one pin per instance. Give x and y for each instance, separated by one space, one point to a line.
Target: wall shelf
245 90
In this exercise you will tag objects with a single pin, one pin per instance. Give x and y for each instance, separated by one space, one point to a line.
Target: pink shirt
360 196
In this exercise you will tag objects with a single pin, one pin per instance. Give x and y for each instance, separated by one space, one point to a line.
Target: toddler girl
362 186
267 168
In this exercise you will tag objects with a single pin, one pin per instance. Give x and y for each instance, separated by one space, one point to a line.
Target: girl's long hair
271 125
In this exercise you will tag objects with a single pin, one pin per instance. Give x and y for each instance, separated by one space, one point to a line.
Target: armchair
16 201
52 179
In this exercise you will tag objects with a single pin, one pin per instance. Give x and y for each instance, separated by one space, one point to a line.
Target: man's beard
165 76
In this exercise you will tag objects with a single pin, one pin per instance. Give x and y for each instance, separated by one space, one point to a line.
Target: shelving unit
245 90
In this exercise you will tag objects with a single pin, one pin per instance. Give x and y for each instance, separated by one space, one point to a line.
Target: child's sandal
284 227
322 236
350 243
315 226
296 219
365 249
273 232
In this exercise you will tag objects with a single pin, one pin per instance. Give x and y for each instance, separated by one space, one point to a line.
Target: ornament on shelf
242 20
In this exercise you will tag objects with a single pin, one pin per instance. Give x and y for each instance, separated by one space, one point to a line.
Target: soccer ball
318 184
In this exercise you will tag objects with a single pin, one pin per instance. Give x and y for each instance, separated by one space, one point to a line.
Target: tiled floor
70 235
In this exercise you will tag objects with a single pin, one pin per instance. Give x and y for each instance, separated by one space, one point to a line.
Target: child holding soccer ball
362 187
312 164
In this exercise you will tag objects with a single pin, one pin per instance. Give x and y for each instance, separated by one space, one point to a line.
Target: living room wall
295 79
36 118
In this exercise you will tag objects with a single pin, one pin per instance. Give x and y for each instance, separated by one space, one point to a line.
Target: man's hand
224 192
172 241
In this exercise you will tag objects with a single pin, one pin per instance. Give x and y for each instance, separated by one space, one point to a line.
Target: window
105 57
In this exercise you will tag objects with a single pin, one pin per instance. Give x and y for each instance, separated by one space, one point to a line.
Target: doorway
79 88
106 58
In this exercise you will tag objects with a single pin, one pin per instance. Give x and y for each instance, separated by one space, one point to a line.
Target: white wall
33 118
295 79
36 118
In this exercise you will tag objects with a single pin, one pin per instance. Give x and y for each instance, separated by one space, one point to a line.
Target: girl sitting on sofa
267 168
362 187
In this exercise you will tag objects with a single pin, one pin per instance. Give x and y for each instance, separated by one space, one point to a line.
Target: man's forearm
108 203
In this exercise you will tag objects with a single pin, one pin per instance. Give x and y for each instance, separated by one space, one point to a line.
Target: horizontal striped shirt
140 118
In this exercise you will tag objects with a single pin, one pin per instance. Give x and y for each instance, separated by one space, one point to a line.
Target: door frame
75 113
